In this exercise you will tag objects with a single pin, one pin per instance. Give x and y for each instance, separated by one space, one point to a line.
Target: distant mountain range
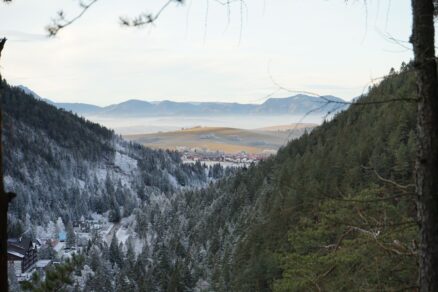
294 105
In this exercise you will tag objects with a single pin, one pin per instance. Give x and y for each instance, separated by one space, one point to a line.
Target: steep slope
332 211
62 165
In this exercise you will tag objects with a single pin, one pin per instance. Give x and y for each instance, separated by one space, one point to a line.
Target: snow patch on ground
81 184
98 217
59 247
106 232
126 234
122 235
138 246
128 221
101 174
125 163
172 180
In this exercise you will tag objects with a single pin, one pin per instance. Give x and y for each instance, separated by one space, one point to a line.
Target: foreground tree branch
61 21
145 18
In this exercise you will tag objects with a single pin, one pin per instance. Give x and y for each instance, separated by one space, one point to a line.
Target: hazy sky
200 52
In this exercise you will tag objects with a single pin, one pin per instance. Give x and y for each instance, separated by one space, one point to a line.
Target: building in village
22 254
62 236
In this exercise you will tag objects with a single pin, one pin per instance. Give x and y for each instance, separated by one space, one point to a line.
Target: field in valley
223 139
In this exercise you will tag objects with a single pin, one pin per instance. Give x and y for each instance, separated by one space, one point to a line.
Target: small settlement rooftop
22 252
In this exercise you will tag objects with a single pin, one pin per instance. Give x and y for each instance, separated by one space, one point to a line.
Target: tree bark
5 199
426 168
4 202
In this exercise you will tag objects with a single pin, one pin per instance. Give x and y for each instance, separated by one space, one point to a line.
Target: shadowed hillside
323 214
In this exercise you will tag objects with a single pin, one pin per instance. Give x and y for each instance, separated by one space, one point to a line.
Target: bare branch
145 18
61 21
338 244
403 187
374 200
326 101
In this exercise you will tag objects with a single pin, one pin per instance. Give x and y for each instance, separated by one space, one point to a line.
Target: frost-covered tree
115 255
71 235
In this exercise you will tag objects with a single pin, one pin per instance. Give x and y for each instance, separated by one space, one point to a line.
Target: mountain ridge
297 104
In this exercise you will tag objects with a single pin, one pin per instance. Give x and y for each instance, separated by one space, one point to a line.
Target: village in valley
209 158
35 252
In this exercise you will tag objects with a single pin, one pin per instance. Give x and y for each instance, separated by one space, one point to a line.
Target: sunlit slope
228 140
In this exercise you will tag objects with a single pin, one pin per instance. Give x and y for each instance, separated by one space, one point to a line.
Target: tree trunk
4 202
426 167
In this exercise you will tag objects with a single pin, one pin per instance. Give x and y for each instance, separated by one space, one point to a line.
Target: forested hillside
61 165
333 211
322 215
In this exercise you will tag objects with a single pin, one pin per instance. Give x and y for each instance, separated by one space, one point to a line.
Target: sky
205 51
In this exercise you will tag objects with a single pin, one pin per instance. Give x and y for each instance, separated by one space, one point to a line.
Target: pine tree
103 279
115 255
71 235
130 256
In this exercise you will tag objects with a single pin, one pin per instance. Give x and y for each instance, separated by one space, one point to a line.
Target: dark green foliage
327 213
274 225
71 236
58 278
67 129
115 255
358 243
46 252
309 176
333 211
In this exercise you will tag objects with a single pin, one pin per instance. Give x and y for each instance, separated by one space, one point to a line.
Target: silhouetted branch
61 21
326 101
146 18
